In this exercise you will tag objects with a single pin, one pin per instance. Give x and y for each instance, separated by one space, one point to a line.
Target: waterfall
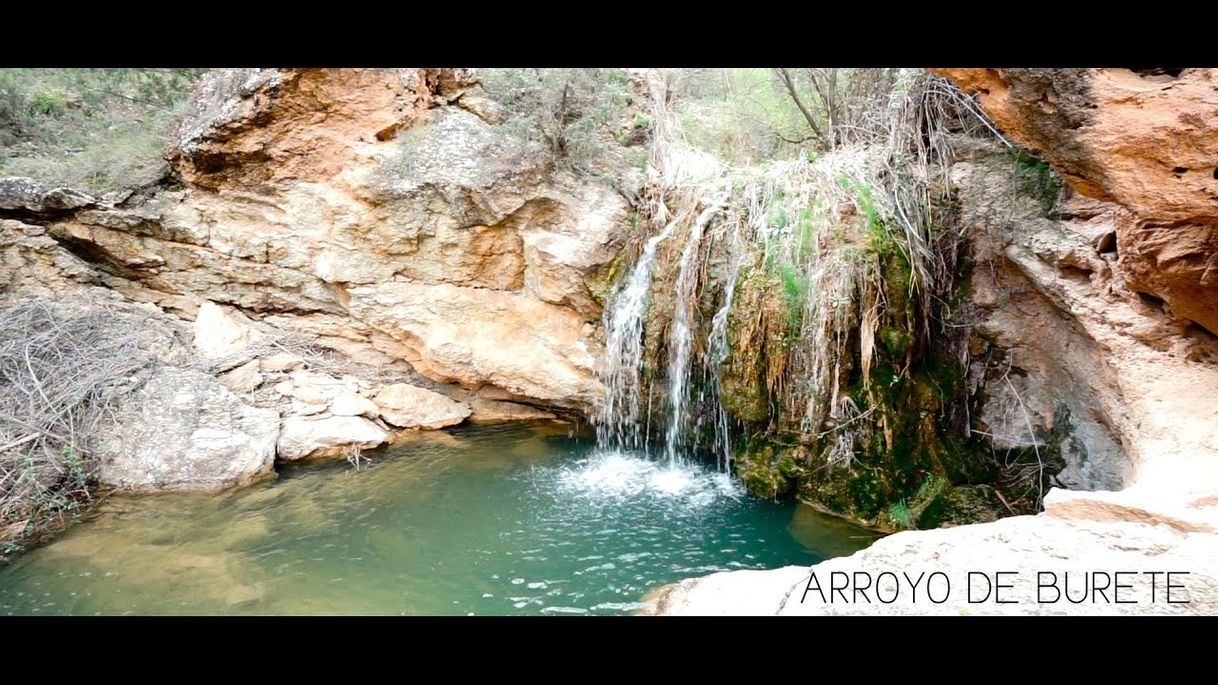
617 421
679 338
717 350
618 418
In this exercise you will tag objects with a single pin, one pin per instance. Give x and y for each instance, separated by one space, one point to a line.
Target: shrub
577 114
97 129
60 368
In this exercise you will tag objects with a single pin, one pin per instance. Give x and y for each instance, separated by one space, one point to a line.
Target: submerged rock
183 430
493 411
961 505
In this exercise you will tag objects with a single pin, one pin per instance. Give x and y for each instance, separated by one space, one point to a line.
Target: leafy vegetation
1036 178
97 129
578 115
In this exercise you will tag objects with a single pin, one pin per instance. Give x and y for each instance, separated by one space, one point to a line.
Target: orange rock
1144 140
300 124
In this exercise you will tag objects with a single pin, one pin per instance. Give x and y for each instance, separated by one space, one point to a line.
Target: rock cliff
369 208
1142 141
361 251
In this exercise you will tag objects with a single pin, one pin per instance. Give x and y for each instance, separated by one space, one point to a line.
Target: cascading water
717 350
684 176
617 421
679 338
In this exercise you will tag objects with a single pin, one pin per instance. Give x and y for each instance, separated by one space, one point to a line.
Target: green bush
96 129
739 115
577 114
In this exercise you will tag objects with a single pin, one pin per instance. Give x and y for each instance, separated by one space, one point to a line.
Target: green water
506 520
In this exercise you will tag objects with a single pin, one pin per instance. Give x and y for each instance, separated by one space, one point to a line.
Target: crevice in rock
1158 73
1107 243
102 260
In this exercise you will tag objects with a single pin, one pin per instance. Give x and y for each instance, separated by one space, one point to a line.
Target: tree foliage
839 106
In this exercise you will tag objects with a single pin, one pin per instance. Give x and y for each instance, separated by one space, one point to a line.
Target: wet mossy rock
770 470
963 505
910 431
758 337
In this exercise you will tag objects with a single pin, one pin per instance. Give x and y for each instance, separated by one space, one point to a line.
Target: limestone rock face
1142 140
183 430
493 411
348 403
244 378
27 195
253 126
473 336
407 406
380 212
32 262
305 437
1025 545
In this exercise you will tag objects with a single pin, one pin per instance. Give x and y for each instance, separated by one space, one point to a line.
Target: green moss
897 341
795 295
767 469
908 447
601 282
962 505
1036 178
860 493
758 333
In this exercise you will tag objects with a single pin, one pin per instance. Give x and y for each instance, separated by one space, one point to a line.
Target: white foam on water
615 474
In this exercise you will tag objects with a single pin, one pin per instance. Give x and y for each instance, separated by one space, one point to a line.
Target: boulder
309 387
217 334
26 194
183 430
331 436
281 361
961 505
408 406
